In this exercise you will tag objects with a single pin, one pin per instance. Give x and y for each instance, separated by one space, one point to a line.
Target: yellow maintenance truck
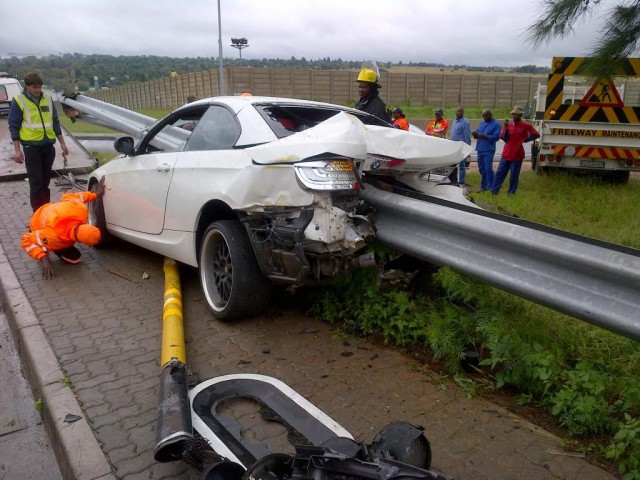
587 125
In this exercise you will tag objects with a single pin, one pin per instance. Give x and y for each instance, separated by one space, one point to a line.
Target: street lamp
221 86
239 43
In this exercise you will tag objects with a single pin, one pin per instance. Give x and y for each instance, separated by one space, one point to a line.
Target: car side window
174 132
3 93
217 130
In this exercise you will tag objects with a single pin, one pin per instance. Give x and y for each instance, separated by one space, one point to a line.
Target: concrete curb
76 448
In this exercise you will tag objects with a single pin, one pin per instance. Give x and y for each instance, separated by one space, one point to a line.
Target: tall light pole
239 43
221 86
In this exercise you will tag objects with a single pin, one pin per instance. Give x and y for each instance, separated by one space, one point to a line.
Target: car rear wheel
230 276
97 218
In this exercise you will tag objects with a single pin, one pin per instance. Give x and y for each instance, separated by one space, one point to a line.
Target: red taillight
542 158
394 162
637 163
558 159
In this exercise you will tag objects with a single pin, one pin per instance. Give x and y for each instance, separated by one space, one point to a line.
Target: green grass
84 127
579 204
470 112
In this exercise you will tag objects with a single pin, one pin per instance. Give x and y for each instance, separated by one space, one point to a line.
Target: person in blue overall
487 135
461 132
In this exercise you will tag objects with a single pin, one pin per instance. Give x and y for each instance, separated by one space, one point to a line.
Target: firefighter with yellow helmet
370 101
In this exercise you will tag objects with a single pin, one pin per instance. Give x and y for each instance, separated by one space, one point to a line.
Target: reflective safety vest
401 123
437 128
53 224
37 119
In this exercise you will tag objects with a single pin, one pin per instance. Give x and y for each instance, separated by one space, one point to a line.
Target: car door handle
165 167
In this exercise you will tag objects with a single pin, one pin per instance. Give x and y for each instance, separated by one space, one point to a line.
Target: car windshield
287 119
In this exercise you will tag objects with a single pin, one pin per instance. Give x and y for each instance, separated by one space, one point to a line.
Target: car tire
97 218
232 283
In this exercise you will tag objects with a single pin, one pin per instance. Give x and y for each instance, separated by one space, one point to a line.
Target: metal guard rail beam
581 278
106 114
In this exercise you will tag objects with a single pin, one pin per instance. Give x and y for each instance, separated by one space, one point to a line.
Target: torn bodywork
323 448
297 245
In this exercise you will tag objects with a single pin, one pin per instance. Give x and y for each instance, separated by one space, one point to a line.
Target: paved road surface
103 321
25 452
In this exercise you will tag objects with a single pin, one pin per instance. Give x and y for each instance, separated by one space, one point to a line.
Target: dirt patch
506 398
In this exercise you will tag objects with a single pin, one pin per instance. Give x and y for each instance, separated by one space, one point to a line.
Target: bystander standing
486 135
398 119
370 101
34 126
461 132
514 134
438 126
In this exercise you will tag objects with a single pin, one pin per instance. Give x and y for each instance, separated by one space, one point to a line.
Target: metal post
222 90
239 43
174 414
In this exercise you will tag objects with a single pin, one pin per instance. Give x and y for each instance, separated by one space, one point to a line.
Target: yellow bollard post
172 321
174 429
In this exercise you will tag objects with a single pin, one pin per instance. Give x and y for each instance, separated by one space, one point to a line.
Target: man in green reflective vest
34 125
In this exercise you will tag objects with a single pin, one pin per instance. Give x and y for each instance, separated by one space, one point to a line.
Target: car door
139 187
209 168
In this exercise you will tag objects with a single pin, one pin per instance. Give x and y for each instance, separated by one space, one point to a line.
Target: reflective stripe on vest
34 119
40 242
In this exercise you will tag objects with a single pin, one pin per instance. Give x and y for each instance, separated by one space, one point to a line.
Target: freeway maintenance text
583 132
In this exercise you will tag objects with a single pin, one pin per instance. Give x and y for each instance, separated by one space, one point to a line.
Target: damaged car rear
252 191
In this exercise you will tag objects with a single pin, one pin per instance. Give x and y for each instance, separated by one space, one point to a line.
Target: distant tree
532 69
620 36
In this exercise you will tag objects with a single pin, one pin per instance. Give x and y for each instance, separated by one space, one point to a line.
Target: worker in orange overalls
398 119
437 127
56 227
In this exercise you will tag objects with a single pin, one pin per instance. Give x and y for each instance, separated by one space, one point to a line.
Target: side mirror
124 145
528 110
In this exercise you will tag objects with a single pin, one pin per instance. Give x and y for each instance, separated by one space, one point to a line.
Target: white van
9 88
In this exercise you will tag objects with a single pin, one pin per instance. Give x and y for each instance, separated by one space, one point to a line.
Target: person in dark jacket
34 125
370 101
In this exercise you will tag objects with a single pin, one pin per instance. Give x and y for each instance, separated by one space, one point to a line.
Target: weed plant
586 377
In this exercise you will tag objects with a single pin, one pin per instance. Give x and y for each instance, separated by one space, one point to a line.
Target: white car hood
342 134
420 152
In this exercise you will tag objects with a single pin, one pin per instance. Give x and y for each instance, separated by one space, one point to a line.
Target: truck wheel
97 218
230 277
534 159
620 177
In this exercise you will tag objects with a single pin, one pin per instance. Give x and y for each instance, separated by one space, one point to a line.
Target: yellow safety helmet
367 75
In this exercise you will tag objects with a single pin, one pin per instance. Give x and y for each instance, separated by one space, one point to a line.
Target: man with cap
56 227
437 127
370 101
514 134
398 119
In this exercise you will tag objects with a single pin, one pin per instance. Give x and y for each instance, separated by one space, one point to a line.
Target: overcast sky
471 32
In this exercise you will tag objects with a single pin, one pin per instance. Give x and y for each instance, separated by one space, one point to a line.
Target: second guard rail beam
594 281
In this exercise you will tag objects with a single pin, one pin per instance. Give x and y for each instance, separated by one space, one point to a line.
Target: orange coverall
437 129
53 224
402 123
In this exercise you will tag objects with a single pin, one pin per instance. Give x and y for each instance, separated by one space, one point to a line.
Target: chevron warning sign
601 104
602 94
